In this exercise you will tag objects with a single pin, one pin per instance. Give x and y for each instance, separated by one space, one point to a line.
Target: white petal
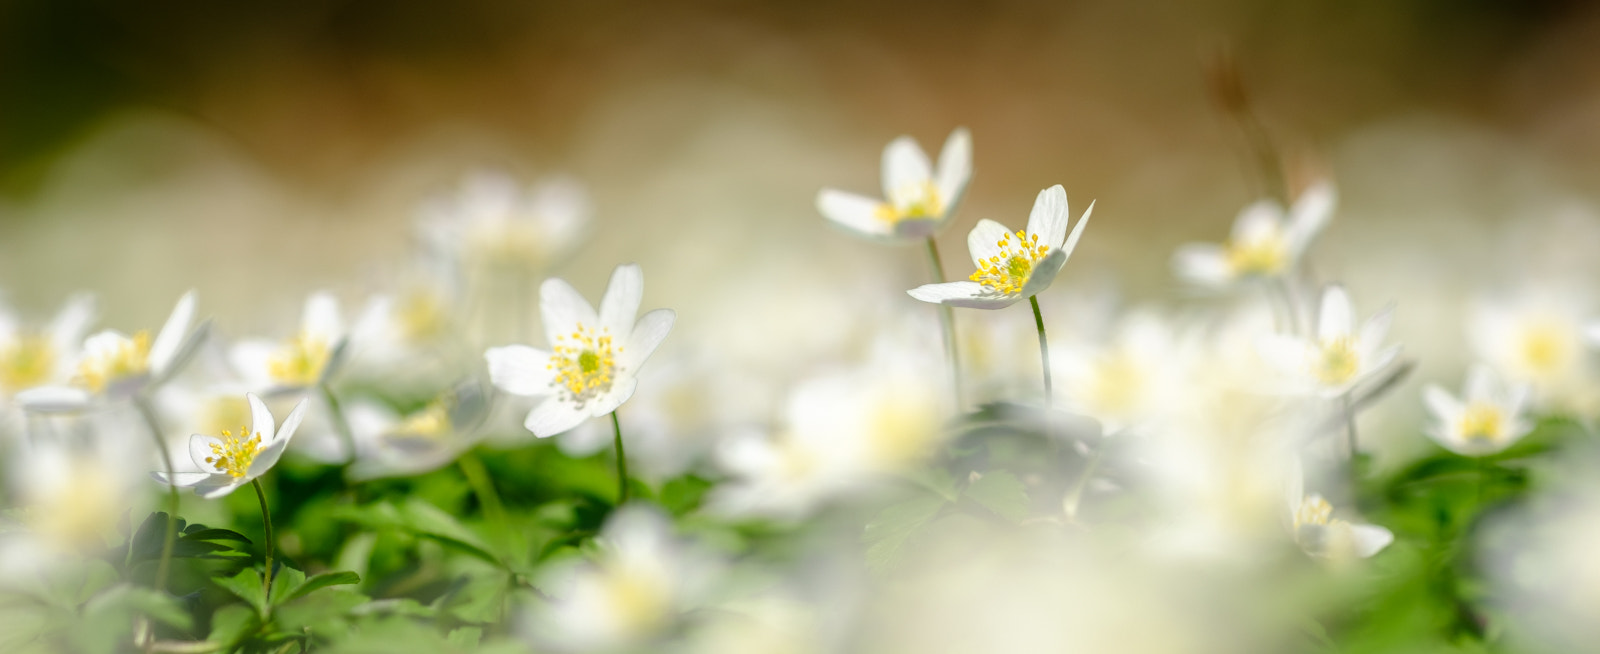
1044 272
904 164
267 458
1335 319
1480 386
1444 406
53 399
172 333
261 421
562 309
856 213
290 424
620 305
554 416
253 359
200 450
955 167
520 370
1202 264
218 486
321 318
939 293
69 326
647 334
1381 360
983 241
1048 219
182 479
1259 221
1308 216
1374 330
1077 232
1369 539
619 393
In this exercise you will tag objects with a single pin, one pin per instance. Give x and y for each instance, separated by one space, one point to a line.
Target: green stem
622 462
170 539
266 524
947 319
1044 351
1483 480
340 424
483 487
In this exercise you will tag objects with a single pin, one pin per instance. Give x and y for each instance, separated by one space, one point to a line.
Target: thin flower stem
622 462
266 524
170 539
1483 479
340 424
483 487
1350 427
947 319
1044 351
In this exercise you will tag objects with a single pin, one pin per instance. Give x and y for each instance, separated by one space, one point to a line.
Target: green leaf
429 520
247 586
231 624
888 533
317 582
108 617
466 638
284 580
1000 492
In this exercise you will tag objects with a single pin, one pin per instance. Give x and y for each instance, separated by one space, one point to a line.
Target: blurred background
258 150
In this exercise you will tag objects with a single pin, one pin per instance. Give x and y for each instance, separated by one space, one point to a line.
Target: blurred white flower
1324 536
307 359
1264 243
1340 356
1486 419
47 357
1126 381
70 494
389 445
672 420
235 459
919 200
631 594
594 360
395 329
116 365
491 220
1537 338
1013 267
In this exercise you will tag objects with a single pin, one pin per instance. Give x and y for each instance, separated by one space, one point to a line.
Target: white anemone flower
1323 536
1486 419
492 219
631 594
1340 356
918 199
307 359
1125 381
1264 244
594 360
1538 338
235 459
1013 267
116 365
37 358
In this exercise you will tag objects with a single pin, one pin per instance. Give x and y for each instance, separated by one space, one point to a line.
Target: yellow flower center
914 201
1545 349
431 422
1006 273
129 357
421 316
1313 511
26 362
1482 422
300 361
77 513
1337 362
1117 385
236 452
584 362
515 242
1263 257
640 600
901 427
223 410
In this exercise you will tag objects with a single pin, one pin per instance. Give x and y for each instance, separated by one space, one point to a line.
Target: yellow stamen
1482 422
300 361
584 362
234 454
26 362
1008 272
1263 257
431 422
1337 362
130 357
421 316
914 201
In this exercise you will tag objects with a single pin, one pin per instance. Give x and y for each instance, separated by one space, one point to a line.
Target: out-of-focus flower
771 624
1013 267
1537 339
491 220
235 459
388 445
918 200
631 594
1324 536
307 359
1339 357
1541 566
1127 381
116 365
32 359
844 429
1264 245
395 328
1487 418
594 360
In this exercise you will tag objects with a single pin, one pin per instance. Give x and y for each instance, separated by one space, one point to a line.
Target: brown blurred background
256 150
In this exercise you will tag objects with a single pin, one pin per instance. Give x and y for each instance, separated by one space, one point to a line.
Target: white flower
305 360
1538 339
1487 418
1339 357
1324 536
1264 243
235 459
918 200
643 579
117 365
491 220
1126 381
388 445
1013 267
31 359
594 359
